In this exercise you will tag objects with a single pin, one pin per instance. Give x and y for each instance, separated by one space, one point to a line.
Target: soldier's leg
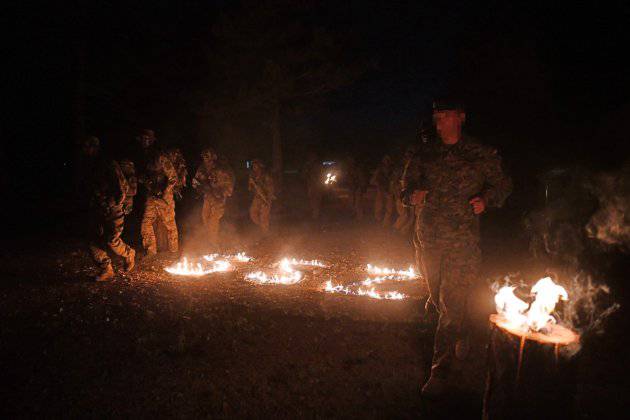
265 213
149 217
254 211
401 211
217 209
167 214
97 249
430 264
460 268
389 209
378 205
113 230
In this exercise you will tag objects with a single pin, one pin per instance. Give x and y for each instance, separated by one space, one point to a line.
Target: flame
286 262
187 268
409 273
238 257
535 317
338 288
288 278
330 179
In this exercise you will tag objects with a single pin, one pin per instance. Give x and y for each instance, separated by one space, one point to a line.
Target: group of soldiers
441 191
110 186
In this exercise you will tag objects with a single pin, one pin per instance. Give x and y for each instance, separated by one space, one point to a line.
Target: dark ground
153 345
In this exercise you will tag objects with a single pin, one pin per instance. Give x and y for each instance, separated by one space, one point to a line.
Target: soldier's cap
91 141
147 132
447 104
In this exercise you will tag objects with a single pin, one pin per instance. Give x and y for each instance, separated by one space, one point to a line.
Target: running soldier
382 201
456 182
313 177
261 184
109 189
216 183
357 185
159 179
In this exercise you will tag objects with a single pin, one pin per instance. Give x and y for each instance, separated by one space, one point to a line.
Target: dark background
545 84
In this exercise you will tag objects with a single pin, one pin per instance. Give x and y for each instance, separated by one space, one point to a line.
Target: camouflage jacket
129 171
159 175
179 163
110 187
381 177
217 182
452 176
262 187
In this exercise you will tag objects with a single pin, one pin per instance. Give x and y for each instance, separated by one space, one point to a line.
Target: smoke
589 305
611 222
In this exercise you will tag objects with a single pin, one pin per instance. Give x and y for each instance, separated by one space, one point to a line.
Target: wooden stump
527 379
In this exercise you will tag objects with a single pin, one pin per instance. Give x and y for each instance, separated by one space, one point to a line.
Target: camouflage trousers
107 236
315 196
405 219
159 210
383 206
259 212
449 271
211 215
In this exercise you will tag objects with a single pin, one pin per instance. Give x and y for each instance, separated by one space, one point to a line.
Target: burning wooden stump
526 376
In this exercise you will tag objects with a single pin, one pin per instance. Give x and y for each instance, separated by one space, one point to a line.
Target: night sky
545 84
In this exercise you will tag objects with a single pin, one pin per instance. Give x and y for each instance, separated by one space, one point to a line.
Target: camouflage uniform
383 205
357 184
447 232
179 163
109 194
314 187
216 184
159 178
262 187
129 171
406 215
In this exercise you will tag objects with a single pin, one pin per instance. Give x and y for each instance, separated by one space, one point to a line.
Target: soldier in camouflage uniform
357 185
109 188
313 176
129 170
383 205
179 163
216 183
406 216
455 183
159 179
260 183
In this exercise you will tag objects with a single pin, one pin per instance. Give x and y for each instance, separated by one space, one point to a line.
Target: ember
238 257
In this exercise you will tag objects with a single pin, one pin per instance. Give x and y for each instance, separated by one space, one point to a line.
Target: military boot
130 260
106 274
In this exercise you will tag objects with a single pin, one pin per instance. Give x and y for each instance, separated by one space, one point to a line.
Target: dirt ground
151 344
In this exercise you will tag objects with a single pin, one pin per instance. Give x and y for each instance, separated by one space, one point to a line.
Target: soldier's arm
498 185
198 179
169 171
121 185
